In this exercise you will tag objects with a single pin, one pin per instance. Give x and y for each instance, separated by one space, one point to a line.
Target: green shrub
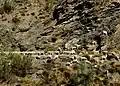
5 66
83 76
80 75
20 64
13 64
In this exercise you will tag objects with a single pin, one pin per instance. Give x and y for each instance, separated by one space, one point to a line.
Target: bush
83 76
5 67
20 64
56 77
13 64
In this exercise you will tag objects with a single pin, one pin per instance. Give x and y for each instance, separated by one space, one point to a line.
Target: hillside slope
79 40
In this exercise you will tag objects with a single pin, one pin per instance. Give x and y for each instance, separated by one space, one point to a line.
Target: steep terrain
40 25
25 21
84 35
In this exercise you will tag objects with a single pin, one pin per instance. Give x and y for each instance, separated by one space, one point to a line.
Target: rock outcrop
70 24
83 21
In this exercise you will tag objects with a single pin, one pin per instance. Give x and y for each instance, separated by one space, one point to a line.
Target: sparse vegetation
7 6
84 75
50 48
49 5
13 64
87 56
20 64
28 25
102 2
5 67
80 74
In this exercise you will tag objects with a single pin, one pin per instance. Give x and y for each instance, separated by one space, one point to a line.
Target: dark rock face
85 23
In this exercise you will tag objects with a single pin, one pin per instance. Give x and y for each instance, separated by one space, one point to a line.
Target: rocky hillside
88 25
24 21
48 25
86 30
